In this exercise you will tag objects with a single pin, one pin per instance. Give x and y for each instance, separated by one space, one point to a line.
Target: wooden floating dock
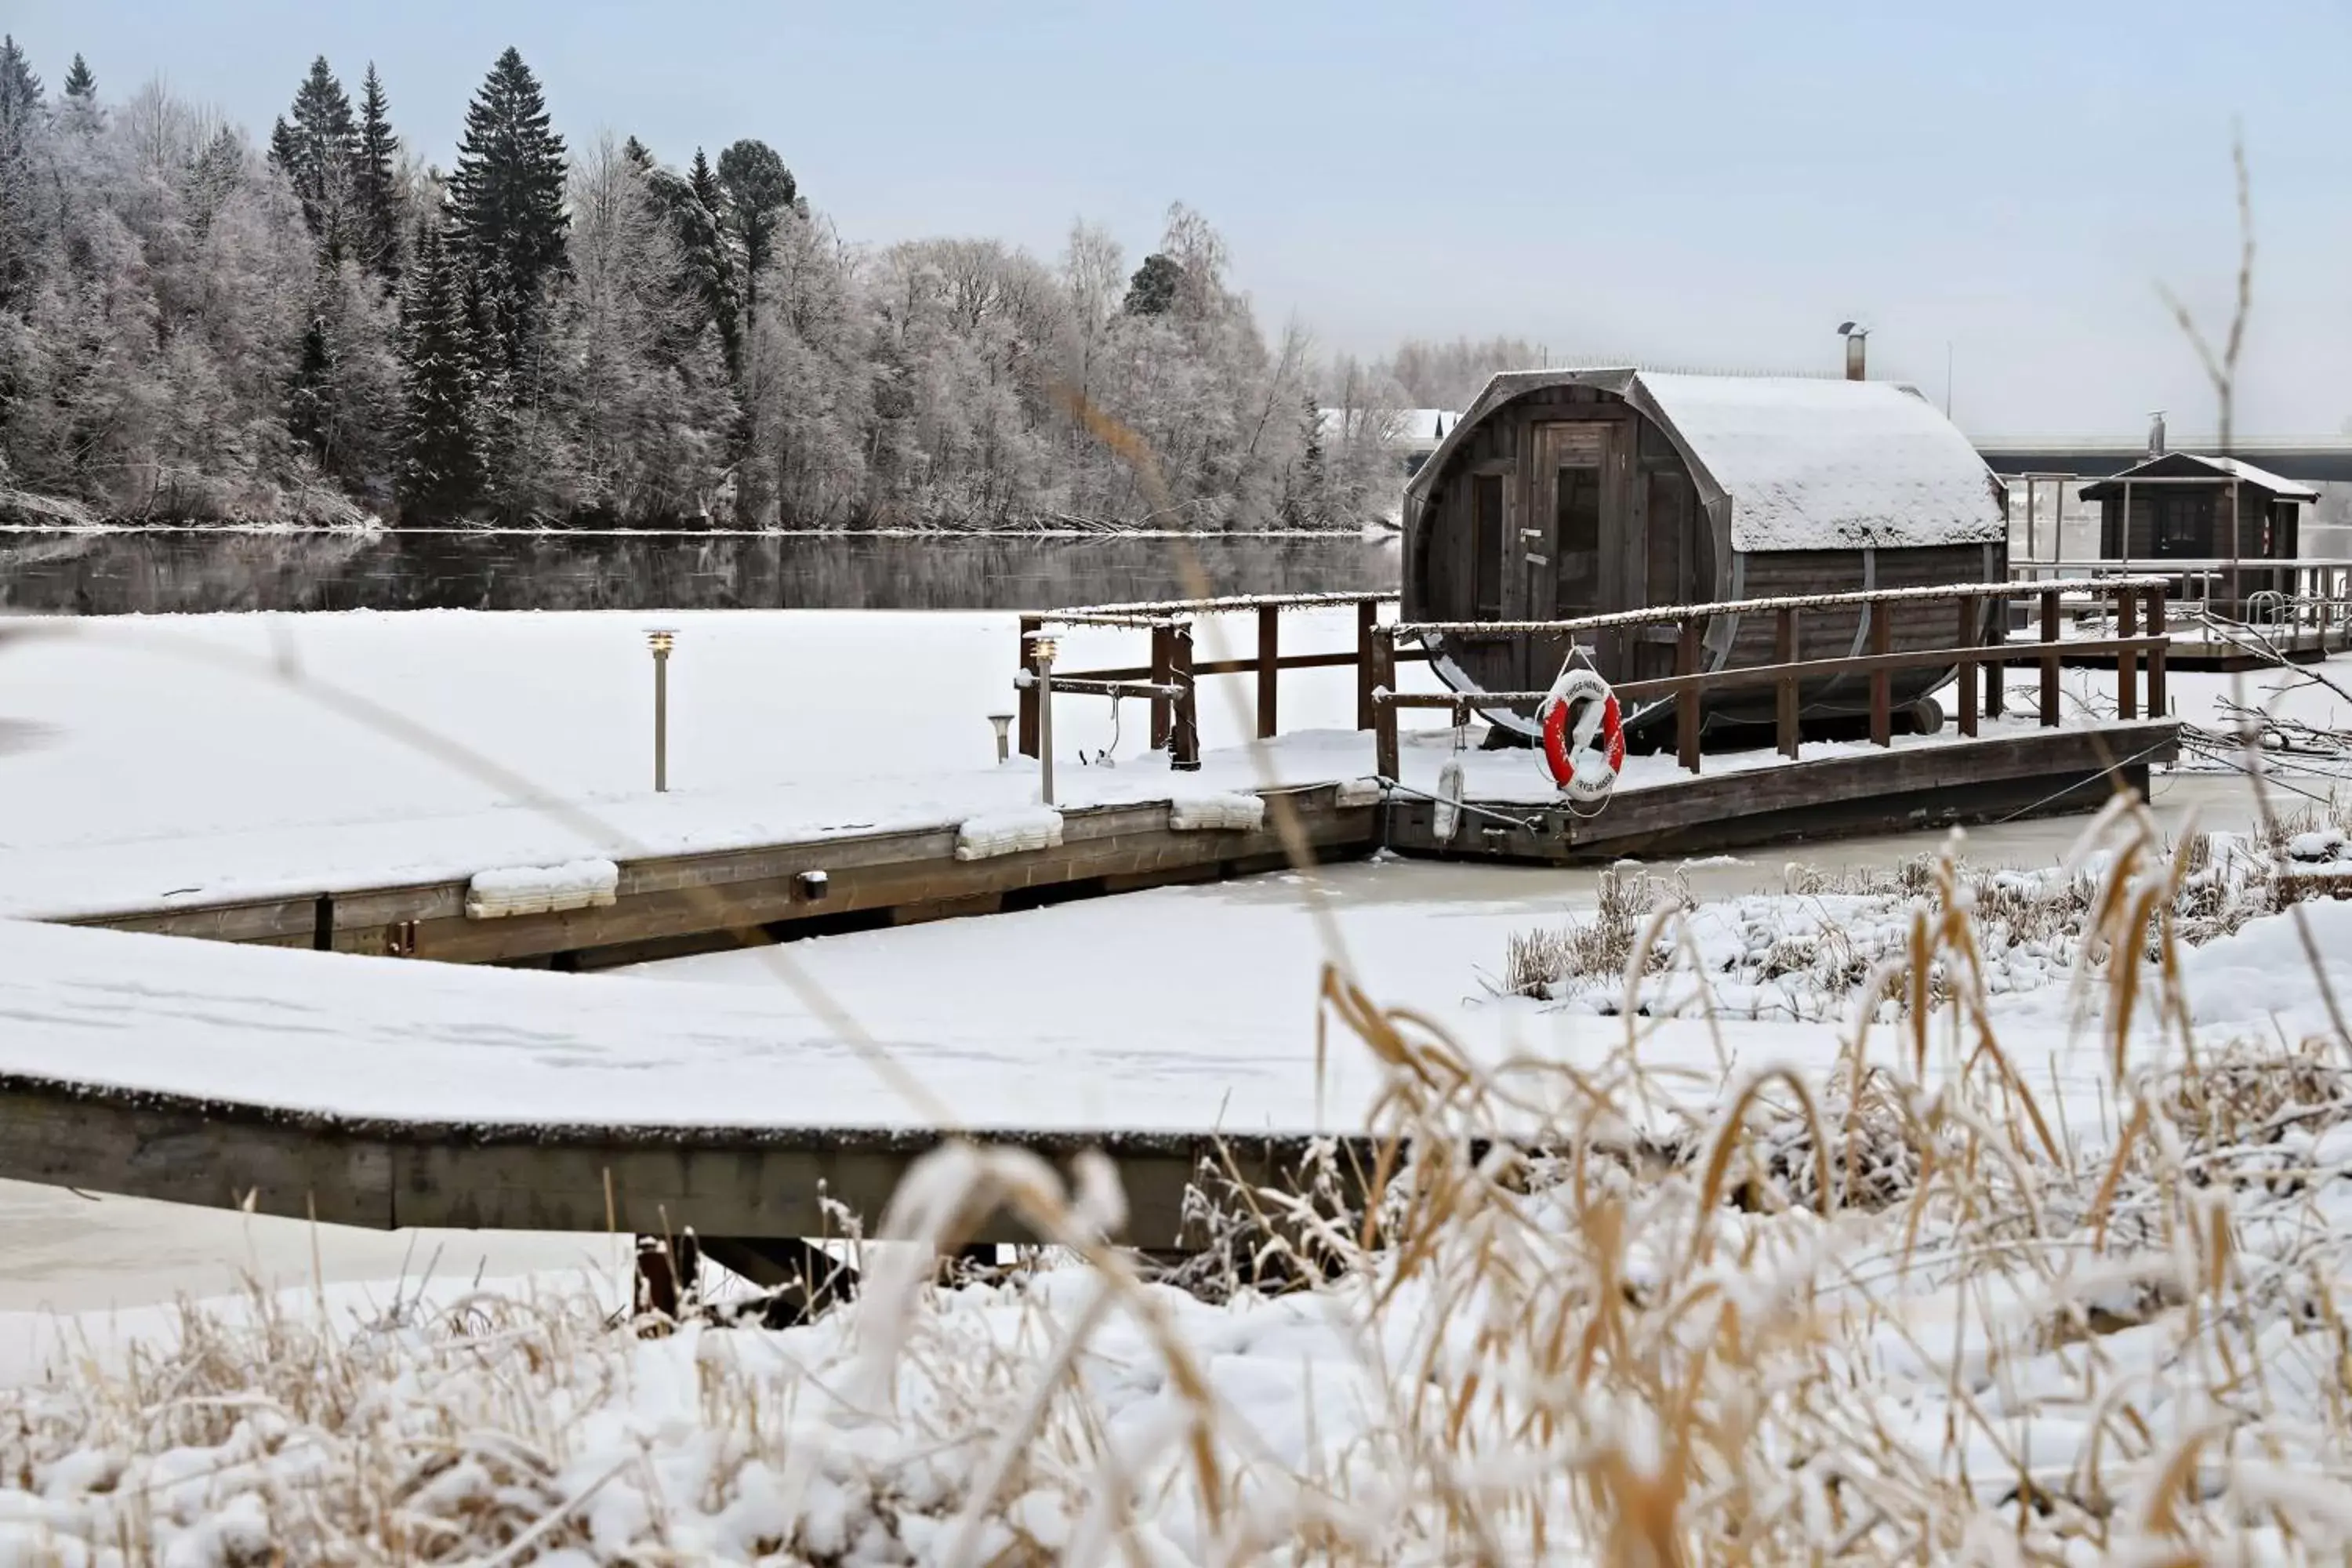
759 1184
751 1192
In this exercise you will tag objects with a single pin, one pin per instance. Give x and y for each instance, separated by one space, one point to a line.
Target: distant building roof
1408 429
1801 463
2221 468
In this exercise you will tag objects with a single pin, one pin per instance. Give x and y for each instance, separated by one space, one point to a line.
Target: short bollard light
661 641
1003 723
1041 648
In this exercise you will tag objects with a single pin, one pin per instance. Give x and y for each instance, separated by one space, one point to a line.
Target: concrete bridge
2311 458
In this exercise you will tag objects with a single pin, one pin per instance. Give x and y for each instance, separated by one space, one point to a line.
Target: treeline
323 329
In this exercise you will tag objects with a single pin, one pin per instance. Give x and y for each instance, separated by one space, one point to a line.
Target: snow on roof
2228 468
1804 463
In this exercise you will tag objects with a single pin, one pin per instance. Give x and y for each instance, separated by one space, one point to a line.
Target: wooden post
2126 662
1686 699
1163 672
1269 668
665 1274
1971 619
1881 680
1028 704
1184 735
322 924
2157 705
1784 700
1384 726
1368 621
2051 627
1994 630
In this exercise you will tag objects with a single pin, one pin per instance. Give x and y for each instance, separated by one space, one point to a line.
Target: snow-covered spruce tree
441 471
760 195
375 185
316 147
505 217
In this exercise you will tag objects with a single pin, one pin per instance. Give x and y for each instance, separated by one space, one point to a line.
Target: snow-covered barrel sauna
1564 493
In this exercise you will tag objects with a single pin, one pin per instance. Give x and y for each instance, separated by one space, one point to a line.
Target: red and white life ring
1583 734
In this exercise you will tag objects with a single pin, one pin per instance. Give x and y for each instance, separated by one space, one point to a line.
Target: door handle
1535 560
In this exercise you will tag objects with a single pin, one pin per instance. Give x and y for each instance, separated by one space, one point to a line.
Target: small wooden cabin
2186 507
1563 493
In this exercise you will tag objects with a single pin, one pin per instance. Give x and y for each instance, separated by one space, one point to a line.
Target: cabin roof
1804 463
2222 469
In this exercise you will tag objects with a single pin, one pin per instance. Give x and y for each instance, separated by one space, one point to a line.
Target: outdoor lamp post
661 642
1003 723
1041 651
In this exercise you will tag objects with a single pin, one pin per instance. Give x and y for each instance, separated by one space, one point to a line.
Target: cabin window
1577 537
2184 525
1487 534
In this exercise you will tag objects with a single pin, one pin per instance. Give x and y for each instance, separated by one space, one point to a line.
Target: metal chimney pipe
2155 434
1853 371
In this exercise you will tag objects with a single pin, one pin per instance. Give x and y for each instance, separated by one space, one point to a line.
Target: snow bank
1221 813
1008 833
542 889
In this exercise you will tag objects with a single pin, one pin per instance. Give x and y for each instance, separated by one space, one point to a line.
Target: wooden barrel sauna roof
1788 462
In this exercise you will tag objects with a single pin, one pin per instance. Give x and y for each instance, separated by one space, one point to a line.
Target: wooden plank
1269 670
2158 705
1687 702
1368 620
1972 613
1784 651
1882 718
2053 625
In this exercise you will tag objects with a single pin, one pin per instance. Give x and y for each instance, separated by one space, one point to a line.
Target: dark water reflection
188 572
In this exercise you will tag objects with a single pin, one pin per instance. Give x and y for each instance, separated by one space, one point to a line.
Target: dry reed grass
1908 1312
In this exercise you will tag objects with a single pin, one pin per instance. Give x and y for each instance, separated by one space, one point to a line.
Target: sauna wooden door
1574 544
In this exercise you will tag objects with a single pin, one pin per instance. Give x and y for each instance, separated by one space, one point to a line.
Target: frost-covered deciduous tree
808 388
23 127
642 373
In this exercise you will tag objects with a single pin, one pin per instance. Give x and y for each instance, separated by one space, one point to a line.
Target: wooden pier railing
1169 680
1971 652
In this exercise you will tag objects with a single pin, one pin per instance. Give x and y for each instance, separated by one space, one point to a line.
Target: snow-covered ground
1924 1357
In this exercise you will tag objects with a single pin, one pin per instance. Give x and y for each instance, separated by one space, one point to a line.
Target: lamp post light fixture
661 641
1003 723
1041 648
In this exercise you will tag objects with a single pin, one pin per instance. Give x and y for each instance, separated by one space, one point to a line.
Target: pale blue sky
1707 183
